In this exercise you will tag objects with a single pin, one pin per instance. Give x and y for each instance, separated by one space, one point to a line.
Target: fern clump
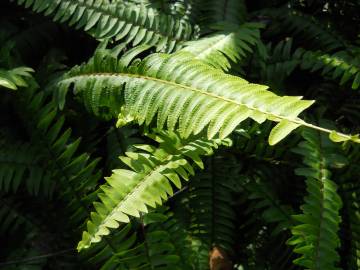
152 134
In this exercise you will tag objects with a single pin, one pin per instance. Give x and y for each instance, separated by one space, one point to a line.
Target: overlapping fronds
215 11
69 170
265 216
149 182
232 43
310 32
164 85
119 20
105 256
167 241
167 201
341 65
251 141
268 204
159 243
21 162
212 217
14 78
279 64
316 237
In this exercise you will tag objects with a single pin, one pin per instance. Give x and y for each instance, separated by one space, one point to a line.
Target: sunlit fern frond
154 172
182 92
234 43
14 78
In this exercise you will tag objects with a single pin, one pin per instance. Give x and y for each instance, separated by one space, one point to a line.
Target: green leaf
281 130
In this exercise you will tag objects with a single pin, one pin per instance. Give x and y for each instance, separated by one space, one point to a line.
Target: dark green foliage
118 20
315 238
179 134
343 65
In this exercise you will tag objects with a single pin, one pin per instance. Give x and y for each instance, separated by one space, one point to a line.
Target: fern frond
266 202
315 238
21 162
265 217
217 49
349 192
164 230
341 65
250 140
148 183
180 90
160 242
69 170
14 78
303 27
105 256
119 20
279 64
213 218
231 11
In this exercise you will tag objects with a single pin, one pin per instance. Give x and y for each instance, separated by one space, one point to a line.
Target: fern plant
151 134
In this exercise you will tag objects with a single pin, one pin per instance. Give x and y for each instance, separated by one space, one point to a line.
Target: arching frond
119 20
148 183
342 65
316 237
14 78
184 93
218 49
307 29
